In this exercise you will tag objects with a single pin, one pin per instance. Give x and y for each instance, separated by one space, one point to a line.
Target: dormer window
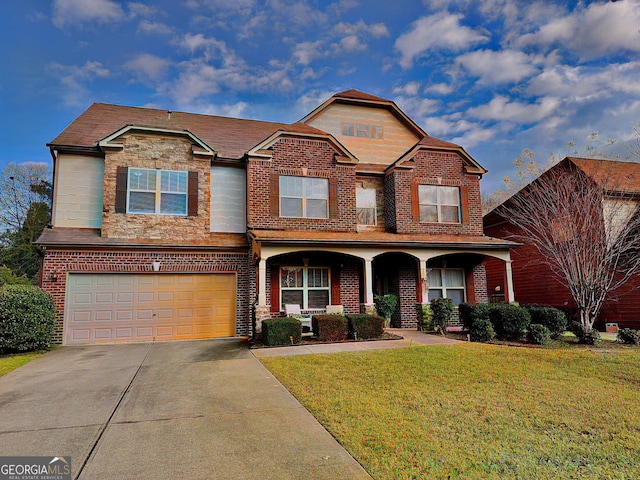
304 197
439 204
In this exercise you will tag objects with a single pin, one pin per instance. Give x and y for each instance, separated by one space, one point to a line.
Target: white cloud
80 11
442 30
147 66
236 110
142 10
501 108
411 88
417 107
154 28
440 88
73 78
350 43
306 52
503 66
376 30
601 28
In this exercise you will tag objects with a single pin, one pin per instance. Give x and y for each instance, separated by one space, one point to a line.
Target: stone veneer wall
57 263
156 152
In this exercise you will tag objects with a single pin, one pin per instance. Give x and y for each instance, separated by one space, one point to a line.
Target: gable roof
229 137
612 175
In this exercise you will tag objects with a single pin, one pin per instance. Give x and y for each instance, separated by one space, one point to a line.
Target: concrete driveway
194 410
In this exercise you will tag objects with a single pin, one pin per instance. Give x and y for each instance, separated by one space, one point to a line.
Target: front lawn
13 361
477 411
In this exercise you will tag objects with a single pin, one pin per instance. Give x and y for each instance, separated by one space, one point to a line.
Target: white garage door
106 308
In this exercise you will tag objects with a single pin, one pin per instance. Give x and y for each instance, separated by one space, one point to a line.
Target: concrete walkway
411 337
192 410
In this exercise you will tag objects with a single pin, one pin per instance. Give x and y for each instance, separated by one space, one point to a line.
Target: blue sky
495 76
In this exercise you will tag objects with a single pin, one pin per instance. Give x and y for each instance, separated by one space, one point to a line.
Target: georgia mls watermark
35 468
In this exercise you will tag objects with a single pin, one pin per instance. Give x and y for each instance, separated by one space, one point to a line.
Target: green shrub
509 321
481 330
330 327
386 305
552 318
426 317
27 318
442 309
470 312
363 326
629 336
586 337
538 334
281 331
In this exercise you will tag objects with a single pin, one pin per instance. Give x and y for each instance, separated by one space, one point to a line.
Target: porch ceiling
379 239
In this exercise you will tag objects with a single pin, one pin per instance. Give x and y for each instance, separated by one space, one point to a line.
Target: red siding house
170 225
533 279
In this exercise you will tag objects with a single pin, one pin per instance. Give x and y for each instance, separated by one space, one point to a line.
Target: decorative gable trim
369 101
202 148
407 161
264 149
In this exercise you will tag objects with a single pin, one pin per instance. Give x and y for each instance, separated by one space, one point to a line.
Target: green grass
477 411
9 363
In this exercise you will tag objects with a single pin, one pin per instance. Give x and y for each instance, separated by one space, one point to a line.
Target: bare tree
19 189
582 216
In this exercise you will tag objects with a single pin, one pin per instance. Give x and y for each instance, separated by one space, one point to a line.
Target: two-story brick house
169 225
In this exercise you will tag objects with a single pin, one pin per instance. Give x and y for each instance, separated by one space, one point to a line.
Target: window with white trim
447 283
439 204
306 197
366 206
361 130
157 191
308 287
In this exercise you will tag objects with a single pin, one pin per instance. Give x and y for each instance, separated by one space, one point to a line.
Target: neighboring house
170 225
533 279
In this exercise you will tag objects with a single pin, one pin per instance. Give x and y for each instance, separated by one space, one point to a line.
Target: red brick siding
407 282
57 263
479 276
435 168
297 157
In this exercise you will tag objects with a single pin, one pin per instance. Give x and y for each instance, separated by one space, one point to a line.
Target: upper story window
366 206
157 191
306 197
361 130
439 204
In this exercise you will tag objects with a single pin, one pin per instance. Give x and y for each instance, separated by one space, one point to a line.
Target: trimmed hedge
330 327
281 331
470 312
363 326
509 321
481 330
538 334
629 336
27 318
552 318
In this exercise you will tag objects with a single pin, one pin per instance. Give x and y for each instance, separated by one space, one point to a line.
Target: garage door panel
134 307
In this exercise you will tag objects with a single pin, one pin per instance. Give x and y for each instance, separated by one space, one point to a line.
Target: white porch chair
293 310
339 309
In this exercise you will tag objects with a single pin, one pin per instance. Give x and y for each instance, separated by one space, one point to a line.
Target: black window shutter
122 176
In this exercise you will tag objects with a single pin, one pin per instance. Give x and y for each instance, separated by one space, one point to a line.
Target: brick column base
263 312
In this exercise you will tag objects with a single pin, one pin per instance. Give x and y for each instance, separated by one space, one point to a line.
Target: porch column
510 295
369 306
424 282
262 282
368 281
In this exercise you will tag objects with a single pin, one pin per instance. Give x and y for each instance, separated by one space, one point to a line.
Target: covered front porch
320 274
